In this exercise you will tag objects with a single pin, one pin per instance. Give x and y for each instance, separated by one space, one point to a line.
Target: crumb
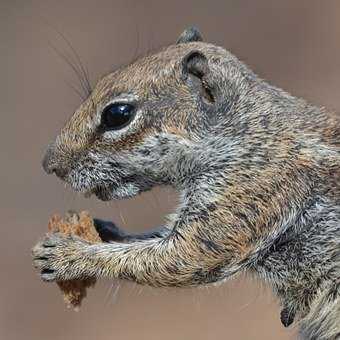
79 224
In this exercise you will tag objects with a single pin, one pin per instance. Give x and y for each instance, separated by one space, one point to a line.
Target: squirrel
257 170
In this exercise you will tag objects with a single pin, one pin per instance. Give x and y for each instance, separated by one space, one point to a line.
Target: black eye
116 116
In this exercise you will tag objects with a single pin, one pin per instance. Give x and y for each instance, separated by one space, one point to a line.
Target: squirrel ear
195 63
195 69
189 35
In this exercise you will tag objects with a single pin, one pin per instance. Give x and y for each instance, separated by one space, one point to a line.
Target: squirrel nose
50 163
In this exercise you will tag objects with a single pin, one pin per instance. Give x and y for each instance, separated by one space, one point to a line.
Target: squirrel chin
128 190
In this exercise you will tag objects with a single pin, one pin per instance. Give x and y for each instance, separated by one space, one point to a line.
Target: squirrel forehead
150 70
158 70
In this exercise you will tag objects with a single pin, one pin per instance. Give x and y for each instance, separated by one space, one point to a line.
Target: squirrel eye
117 115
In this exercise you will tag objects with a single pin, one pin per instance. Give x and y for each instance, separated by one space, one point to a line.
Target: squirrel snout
50 163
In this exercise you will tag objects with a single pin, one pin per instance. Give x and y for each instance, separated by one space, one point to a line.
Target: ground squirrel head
142 123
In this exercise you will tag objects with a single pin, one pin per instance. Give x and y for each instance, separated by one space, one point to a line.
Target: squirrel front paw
59 257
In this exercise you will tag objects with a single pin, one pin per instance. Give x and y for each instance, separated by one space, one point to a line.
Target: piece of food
79 224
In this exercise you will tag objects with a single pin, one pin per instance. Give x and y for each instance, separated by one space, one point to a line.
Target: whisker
74 59
120 214
114 292
122 217
155 199
135 55
75 89
81 65
87 77
72 66
108 293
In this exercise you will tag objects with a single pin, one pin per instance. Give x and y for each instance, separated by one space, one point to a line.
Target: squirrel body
257 169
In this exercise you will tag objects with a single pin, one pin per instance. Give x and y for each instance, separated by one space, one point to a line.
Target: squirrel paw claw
55 257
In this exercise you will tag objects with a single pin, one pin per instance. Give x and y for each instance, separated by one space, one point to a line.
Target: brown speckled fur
256 168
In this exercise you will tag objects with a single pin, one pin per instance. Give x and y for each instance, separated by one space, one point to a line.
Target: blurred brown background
294 44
